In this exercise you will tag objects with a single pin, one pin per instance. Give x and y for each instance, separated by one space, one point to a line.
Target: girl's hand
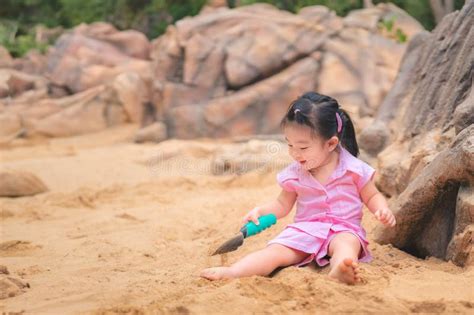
253 216
385 216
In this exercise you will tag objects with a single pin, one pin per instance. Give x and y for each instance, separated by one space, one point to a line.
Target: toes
343 267
348 262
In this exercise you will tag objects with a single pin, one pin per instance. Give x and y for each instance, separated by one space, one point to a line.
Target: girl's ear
332 143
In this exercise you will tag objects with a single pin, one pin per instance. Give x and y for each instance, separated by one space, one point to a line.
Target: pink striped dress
324 210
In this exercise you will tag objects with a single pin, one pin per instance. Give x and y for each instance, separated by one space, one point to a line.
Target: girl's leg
261 262
344 250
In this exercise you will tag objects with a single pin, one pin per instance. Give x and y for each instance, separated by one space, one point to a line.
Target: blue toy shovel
247 230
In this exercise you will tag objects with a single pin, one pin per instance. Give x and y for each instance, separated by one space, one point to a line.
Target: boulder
256 109
14 83
10 125
427 166
133 93
92 55
90 111
211 65
33 62
435 211
155 132
20 183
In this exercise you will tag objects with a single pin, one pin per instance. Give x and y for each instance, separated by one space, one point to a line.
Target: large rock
219 62
33 62
436 103
133 93
375 137
14 83
427 167
255 109
224 72
155 132
129 42
10 125
95 77
92 55
93 110
435 212
460 249
20 183
368 63
426 94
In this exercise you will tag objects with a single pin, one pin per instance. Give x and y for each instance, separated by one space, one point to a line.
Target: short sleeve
288 178
367 172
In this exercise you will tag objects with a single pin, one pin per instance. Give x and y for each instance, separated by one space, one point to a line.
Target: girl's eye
303 148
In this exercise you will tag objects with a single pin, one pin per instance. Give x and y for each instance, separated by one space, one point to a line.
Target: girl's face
304 147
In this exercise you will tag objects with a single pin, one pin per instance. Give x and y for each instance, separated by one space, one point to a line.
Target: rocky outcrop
428 167
155 132
436 210
93 110
227 72
222 73
93 54
94 77
14 83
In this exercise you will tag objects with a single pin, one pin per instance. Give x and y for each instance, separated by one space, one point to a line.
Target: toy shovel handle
264 222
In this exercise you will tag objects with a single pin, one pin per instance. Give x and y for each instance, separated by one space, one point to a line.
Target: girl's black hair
318 112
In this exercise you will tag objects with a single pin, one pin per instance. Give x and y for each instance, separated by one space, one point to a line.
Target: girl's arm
377 204
280 207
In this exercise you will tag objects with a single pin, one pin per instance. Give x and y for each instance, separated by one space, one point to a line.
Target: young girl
328 183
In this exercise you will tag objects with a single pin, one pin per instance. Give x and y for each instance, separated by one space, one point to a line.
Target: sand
127 229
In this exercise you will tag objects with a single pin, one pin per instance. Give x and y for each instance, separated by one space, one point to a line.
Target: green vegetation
18 45
18 17
387 26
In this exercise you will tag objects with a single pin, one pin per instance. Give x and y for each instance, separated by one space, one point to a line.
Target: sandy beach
126 228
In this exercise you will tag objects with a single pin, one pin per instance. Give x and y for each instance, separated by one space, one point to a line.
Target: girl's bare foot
347 272
217 273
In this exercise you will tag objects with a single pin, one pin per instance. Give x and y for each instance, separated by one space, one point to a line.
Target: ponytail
348 136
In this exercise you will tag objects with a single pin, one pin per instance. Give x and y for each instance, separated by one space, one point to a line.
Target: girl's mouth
302 162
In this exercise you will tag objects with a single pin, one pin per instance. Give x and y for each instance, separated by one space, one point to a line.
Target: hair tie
339 122
297 110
